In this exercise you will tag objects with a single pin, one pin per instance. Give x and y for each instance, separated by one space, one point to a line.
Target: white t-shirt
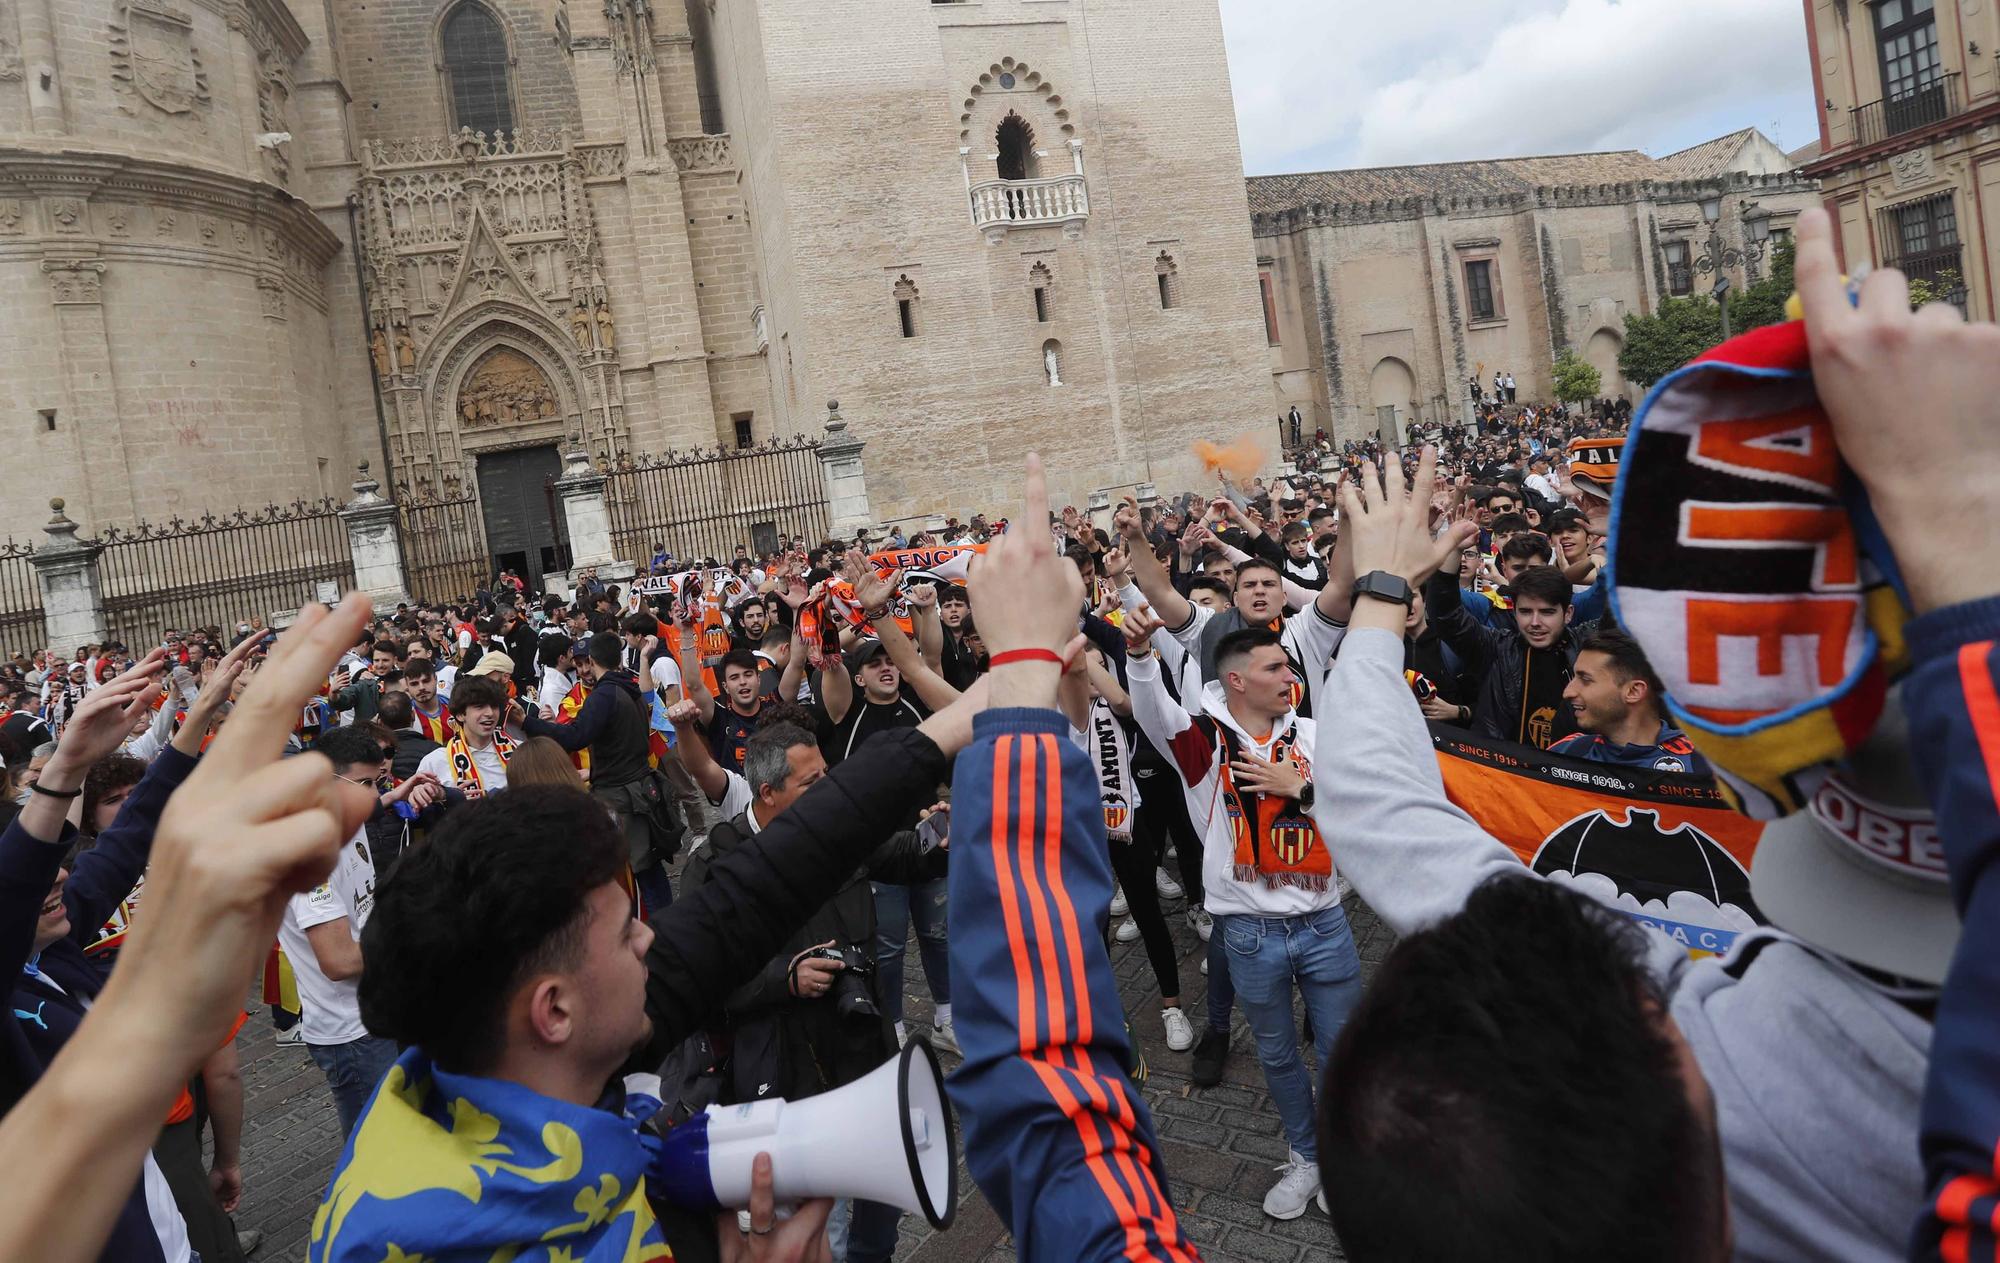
666 672
555 687
1544 486
492 768
447 676
330 1011
736 798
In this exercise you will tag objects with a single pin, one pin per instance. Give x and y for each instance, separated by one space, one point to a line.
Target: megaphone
888 1137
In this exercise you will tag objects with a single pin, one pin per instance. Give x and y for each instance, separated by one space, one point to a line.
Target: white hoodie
1197 756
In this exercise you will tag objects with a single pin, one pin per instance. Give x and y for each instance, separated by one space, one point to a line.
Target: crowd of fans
531 843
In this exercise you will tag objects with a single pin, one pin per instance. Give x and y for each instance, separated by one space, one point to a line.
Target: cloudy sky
1337 83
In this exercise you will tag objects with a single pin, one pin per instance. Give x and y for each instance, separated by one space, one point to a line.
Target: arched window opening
906 306
1052 362
476 70
1038 279
1016 143
1168 273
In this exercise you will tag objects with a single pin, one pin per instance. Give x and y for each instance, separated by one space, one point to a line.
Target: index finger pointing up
1818 272
1035 493
293 672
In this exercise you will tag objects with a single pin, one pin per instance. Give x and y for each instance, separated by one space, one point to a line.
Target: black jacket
1497 662
758 896
411 747
612 724
784 1046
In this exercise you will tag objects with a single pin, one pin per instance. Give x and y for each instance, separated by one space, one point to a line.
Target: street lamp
1721 257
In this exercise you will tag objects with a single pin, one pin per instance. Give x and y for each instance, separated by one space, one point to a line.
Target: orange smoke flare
1240 458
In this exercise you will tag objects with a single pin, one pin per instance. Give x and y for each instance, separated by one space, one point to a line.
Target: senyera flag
1662 847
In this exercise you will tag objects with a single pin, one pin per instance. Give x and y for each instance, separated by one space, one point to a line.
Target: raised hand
1138 629
1388 522
246 831
1127 523
1914 399
876 591
1025 596
104 718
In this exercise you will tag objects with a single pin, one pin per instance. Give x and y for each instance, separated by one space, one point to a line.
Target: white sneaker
1296 1187
1127 930
293 1038
1180 1034
1201 923
1167 886
1321 1199
1118 905
1204 966
945 1039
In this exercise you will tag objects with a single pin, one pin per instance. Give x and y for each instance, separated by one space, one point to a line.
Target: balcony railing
1680 280
998 205
1933 103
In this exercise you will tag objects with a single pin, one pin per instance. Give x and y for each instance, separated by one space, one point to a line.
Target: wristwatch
1306 797
1384 586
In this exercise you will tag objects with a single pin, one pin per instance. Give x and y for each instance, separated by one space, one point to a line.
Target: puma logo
35 1017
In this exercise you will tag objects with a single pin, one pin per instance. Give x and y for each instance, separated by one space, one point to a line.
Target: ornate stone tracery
482 259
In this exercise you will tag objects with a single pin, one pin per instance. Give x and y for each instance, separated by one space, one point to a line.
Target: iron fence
22 628
444 546
216 571
706 502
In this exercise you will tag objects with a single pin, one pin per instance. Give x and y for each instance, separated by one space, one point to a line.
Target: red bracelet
1026 655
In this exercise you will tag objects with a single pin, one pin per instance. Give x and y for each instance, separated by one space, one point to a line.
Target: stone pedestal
72 596
846 487
1098 512
588 517
371 538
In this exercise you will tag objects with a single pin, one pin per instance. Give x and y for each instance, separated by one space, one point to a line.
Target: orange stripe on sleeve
1038 908
1093 1158
1052 823
1983 705
1010 907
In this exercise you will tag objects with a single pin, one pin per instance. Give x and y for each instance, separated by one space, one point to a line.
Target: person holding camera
813 1019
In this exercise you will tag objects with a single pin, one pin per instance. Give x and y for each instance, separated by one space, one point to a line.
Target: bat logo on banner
1680 881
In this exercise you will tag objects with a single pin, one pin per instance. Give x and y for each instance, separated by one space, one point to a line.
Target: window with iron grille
476 68
1479 289
1922 240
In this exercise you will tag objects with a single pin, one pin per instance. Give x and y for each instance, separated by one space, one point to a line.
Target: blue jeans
895 907
352 1070
1266 956
1221 992
655 887
869 1237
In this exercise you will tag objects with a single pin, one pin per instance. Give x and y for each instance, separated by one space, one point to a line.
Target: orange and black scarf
464 771
1276 841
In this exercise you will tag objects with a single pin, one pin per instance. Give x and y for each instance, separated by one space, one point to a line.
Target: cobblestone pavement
1220 1145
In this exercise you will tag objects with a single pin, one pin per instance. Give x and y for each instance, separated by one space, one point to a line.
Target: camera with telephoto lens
849 991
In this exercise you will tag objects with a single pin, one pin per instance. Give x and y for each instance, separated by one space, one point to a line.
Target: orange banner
1662 847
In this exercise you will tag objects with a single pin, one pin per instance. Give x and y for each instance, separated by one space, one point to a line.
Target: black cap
864 653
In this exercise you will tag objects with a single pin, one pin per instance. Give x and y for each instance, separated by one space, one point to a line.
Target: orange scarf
1276 842
464 770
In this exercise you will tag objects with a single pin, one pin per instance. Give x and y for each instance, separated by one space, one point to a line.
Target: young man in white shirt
474 761
1245 763
321 935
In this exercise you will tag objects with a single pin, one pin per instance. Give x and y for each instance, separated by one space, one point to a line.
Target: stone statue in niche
1052 365
607 336
505 388
406 351
579 327
378 347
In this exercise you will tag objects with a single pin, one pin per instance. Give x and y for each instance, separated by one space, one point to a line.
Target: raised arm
1151 577
695 754
1056 1136
692 681
923 598
929 686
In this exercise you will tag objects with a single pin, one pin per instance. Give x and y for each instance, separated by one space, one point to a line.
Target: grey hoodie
1816 1073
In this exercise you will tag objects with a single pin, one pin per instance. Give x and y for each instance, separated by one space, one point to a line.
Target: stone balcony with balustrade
1059 201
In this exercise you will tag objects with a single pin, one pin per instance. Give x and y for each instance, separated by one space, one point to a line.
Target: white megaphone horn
888 1137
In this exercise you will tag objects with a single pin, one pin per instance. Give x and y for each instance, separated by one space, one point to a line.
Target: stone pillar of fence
371 538
72 595
588 516
846 487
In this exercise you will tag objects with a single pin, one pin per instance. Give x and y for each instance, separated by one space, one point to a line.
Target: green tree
1938 291
1764 303
1658 344
1577 379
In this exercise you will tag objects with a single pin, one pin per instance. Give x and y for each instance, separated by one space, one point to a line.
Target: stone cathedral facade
248 244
